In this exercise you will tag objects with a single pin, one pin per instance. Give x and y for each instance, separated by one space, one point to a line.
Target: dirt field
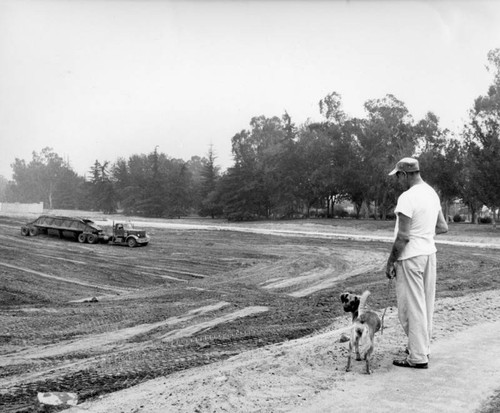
94 319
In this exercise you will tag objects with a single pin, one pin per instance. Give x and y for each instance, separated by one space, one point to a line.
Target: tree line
152 185
284 170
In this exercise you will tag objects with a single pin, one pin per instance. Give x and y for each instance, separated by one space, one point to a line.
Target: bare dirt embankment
307 375
207 316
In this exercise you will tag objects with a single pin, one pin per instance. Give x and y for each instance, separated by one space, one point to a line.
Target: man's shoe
408 352
406 363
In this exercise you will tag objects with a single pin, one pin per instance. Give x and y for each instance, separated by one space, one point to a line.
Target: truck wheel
25 231
92 239
33 231
82 238
131 242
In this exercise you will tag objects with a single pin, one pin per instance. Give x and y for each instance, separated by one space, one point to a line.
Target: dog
365 325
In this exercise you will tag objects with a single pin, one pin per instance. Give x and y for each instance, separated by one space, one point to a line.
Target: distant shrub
457 218
340 212
242 216
485 220
390 216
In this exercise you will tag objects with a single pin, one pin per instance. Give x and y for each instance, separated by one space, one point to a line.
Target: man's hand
441 224
390 270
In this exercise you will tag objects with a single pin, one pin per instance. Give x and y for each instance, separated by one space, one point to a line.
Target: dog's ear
356 300
343 297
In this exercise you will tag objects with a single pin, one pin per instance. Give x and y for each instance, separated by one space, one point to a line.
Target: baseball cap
406 165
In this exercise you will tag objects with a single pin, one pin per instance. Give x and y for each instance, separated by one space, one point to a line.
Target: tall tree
179 188
316 182
153 185
386 136
483 140
257 167
470 192
3 188
440 159
122 181
101 189
68 192
154 192
38 180
210 204
349 167
132 179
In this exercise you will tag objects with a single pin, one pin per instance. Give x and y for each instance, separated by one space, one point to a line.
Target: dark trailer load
85 230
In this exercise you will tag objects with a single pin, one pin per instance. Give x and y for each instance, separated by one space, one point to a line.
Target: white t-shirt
421 204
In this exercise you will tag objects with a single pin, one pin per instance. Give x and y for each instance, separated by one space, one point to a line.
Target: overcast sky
102 79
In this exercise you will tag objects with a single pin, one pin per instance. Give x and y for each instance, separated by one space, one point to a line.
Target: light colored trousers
416 291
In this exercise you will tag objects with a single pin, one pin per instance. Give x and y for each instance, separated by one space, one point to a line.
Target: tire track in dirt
174 271
317 280
105 339
115 341
55 277
61 259
200 327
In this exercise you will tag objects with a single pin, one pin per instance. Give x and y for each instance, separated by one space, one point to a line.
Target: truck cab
126 234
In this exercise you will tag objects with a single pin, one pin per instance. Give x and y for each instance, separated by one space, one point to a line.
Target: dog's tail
362 303
365 342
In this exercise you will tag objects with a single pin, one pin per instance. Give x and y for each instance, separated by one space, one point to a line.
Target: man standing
413 260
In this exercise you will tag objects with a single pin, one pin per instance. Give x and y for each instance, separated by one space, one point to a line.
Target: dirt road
465 371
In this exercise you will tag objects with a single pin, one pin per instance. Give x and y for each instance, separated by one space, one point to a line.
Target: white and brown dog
365 324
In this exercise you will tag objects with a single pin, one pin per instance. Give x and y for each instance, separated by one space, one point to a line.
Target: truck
126 234
85 230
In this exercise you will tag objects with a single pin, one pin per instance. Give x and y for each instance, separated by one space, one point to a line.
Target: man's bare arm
441 224
402 238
